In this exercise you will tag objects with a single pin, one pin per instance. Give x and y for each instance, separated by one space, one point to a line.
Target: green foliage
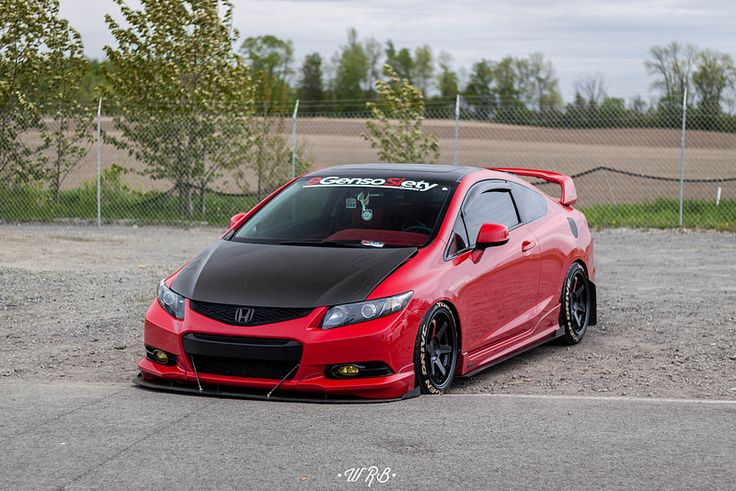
673 66
120 204
25 27
26 203
447 82
41 65
91 82
373 52
423 68
268 157
396 128
664 213
351 74
400 61
310 83
480 85
269 59
714 75
68 134
509 90
182 98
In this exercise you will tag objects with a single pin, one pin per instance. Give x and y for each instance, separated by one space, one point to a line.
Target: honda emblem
243 315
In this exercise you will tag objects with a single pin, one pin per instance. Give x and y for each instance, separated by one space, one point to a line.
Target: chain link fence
170 168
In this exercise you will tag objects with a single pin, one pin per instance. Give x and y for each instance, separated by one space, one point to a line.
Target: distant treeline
511 90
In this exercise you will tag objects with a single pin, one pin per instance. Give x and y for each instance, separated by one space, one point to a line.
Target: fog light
347 370
161 356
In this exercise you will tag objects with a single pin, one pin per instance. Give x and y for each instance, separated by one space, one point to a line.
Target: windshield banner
374 182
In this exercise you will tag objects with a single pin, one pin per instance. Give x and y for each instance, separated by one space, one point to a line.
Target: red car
375 282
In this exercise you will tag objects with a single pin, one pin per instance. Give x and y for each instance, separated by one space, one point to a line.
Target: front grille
236 367
248 316
236 356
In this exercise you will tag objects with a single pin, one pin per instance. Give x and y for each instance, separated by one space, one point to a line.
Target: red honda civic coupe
375 282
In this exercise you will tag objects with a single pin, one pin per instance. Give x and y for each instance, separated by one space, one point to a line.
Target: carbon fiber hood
263 275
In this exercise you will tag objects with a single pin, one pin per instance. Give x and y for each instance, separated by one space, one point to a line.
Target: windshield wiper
323 243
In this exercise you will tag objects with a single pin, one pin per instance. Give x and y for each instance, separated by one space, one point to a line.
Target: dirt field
331 141
72 301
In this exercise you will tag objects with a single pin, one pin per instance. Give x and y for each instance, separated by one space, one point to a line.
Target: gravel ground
72 300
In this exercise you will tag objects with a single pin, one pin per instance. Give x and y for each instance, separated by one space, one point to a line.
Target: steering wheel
419 227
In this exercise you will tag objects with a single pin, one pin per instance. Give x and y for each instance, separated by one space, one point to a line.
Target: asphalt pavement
73 435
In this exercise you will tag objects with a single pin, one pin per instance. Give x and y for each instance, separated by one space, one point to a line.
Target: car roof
417 171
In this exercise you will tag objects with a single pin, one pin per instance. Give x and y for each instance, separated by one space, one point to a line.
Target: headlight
352 313
172 302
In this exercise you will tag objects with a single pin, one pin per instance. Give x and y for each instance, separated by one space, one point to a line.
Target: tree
447 81
423 68
592 89
507 81
396 128
673 65
614 110
543 94
182 97
351 73
329 72
638 104
714 75
310 84
270 60
23 28
267 160
510 86
68 129
41 65
480 89
89 85
400 61
373 52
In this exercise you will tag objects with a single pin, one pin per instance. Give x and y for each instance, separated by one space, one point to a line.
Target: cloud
607 36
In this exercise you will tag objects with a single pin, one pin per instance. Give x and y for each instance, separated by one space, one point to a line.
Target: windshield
351 211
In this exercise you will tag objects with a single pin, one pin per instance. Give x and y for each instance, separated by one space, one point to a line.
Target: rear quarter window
531 203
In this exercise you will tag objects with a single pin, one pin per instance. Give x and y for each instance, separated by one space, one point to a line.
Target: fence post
99 163
682 151
457 130
293 140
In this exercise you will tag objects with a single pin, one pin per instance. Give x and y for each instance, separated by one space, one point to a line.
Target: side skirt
559 332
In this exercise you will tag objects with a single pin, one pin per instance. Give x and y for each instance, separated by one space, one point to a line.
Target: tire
575 304
436 350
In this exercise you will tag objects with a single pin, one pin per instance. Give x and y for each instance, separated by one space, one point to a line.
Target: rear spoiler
568 195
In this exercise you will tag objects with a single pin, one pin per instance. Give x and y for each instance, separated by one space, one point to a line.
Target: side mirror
235 219
491 234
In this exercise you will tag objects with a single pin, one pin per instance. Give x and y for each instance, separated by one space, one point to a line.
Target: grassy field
123 205
651 151
664 213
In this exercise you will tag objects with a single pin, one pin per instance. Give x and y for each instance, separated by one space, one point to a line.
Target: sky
610 37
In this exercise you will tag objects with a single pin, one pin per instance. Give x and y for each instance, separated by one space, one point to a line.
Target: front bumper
389 340
238 392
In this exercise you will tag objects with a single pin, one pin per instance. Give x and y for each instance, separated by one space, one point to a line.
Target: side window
532 204
501 208
459 240
489 206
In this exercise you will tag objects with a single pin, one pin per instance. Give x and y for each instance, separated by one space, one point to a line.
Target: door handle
527 245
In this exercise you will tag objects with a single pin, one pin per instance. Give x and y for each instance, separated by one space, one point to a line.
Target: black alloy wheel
436 353
576 304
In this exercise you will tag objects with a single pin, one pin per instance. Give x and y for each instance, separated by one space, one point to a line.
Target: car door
502 282
534 211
